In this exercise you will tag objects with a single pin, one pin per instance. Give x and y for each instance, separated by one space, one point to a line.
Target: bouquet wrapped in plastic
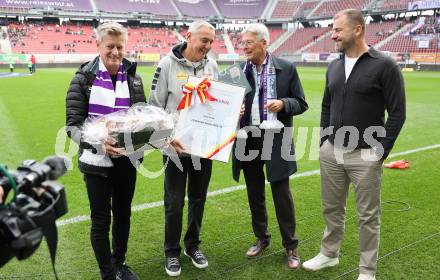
136 129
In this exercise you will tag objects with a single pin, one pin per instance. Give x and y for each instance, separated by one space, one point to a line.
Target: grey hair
111 28
259 29
196 25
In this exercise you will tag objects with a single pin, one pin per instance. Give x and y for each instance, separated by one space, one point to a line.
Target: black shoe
124 272
172 266
197 258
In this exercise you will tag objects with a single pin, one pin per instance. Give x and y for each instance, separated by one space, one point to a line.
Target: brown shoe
257 249
293 261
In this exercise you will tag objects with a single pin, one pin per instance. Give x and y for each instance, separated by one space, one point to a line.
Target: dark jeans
282 198
174 200
113 193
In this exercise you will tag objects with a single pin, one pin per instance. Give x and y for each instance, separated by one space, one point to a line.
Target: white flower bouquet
135 129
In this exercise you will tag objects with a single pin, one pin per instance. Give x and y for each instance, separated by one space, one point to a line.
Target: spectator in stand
34 61
30 66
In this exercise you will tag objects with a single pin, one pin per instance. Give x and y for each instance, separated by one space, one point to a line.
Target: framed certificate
208 129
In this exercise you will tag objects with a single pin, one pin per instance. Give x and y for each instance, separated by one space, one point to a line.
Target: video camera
38 200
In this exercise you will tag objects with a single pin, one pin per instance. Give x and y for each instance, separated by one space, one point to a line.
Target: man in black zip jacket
107 84
359 87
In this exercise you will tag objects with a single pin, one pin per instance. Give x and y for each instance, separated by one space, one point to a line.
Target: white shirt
255 109
349 64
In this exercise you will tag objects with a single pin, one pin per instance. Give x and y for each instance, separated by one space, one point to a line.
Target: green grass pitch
32 112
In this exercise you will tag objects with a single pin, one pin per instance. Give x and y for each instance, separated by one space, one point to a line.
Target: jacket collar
178 50
275 62
177 54
372 52
90 69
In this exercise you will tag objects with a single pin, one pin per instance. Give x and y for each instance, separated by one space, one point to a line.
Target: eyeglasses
247 43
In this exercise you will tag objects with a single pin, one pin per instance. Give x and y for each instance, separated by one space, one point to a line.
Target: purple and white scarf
266 91
106 99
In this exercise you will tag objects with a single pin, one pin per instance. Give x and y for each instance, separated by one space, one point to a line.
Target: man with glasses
276 96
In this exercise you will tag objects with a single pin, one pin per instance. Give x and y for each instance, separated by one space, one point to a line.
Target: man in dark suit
276 96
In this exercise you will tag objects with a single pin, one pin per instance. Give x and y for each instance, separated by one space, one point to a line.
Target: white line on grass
415 150
155 204
9 136
391 253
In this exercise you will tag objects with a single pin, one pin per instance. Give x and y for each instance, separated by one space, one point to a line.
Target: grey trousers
364 170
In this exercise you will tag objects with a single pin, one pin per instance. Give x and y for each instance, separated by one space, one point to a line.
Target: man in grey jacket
188 58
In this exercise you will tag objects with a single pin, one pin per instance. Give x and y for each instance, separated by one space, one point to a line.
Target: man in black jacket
276 96
107 84
359 87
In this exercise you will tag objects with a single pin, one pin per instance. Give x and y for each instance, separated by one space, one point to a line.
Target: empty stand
421 37
51 38
293 8
325 45
71 38
150 40
390 5
374 33
407 43
286 9
306 8
300 38
331 7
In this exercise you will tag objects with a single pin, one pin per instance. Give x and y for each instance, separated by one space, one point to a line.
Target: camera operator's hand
109 148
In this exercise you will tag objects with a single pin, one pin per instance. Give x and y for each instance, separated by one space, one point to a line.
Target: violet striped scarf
104 98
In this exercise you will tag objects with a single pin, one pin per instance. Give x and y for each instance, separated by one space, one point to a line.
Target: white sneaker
319 262
366 277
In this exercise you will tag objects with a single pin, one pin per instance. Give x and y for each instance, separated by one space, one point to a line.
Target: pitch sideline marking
155 204
9 135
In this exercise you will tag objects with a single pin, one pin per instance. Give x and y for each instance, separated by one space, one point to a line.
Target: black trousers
174 200
107 195
282 198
